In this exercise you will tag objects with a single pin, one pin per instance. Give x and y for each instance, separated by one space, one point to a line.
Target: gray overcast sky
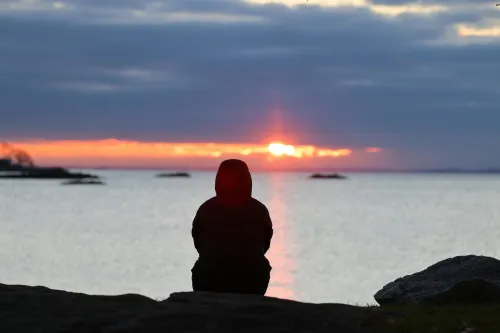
418 78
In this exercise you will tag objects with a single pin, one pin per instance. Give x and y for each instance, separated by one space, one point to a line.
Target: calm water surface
334 241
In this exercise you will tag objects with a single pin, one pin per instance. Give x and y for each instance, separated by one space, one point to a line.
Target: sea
334 240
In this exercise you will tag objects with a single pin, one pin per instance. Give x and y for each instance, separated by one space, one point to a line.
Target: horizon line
291 169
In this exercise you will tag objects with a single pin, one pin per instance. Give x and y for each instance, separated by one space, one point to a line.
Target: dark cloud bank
217 70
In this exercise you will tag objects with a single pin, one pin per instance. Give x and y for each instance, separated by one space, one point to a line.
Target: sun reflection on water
280 254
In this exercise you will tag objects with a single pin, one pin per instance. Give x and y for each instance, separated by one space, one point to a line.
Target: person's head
233 183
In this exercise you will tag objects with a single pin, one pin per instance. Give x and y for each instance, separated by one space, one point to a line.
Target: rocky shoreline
26 309
455 295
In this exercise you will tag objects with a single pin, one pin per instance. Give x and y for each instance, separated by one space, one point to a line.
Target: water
334 241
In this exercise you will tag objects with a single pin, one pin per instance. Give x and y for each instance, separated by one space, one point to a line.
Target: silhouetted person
232 233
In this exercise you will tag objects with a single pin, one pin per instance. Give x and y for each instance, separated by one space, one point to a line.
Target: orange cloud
102 151
373 150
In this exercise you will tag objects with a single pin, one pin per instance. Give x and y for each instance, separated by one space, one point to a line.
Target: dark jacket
232 226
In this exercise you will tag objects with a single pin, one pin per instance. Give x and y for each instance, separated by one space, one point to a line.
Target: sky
135 82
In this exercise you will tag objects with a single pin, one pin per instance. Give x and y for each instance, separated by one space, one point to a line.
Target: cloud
492 30
447 2
131 80
403 75
391 10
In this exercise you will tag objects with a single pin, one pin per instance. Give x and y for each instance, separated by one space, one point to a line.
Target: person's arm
268 230
196 230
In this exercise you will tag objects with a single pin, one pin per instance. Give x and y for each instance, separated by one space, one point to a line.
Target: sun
280 149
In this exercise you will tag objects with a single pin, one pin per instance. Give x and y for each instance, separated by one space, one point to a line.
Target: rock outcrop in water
84 181
39 309
463 279
173 175
327 176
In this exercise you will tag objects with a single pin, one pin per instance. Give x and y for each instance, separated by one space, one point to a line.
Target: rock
84 181
327 176
173 175
38 309
463 279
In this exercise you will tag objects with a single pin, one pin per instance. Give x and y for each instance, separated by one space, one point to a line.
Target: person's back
232 232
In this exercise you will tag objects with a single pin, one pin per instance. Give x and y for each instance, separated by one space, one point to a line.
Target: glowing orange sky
106 152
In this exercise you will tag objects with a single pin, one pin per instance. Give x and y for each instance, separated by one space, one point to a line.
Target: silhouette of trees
16 155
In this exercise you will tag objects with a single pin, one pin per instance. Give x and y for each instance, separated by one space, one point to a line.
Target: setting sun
279 149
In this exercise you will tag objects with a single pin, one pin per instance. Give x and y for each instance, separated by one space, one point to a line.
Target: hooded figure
232 233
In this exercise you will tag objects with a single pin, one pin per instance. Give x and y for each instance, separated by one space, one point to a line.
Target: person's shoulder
259 206
207 204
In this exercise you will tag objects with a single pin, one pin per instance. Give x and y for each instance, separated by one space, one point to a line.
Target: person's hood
233 183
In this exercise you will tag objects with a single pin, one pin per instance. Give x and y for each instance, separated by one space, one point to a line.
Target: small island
18 164
327 176
173 175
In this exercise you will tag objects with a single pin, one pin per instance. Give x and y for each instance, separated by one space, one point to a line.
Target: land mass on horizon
18 164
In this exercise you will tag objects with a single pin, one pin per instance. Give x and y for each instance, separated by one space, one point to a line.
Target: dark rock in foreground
327 176
464 279
173 175
39 309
